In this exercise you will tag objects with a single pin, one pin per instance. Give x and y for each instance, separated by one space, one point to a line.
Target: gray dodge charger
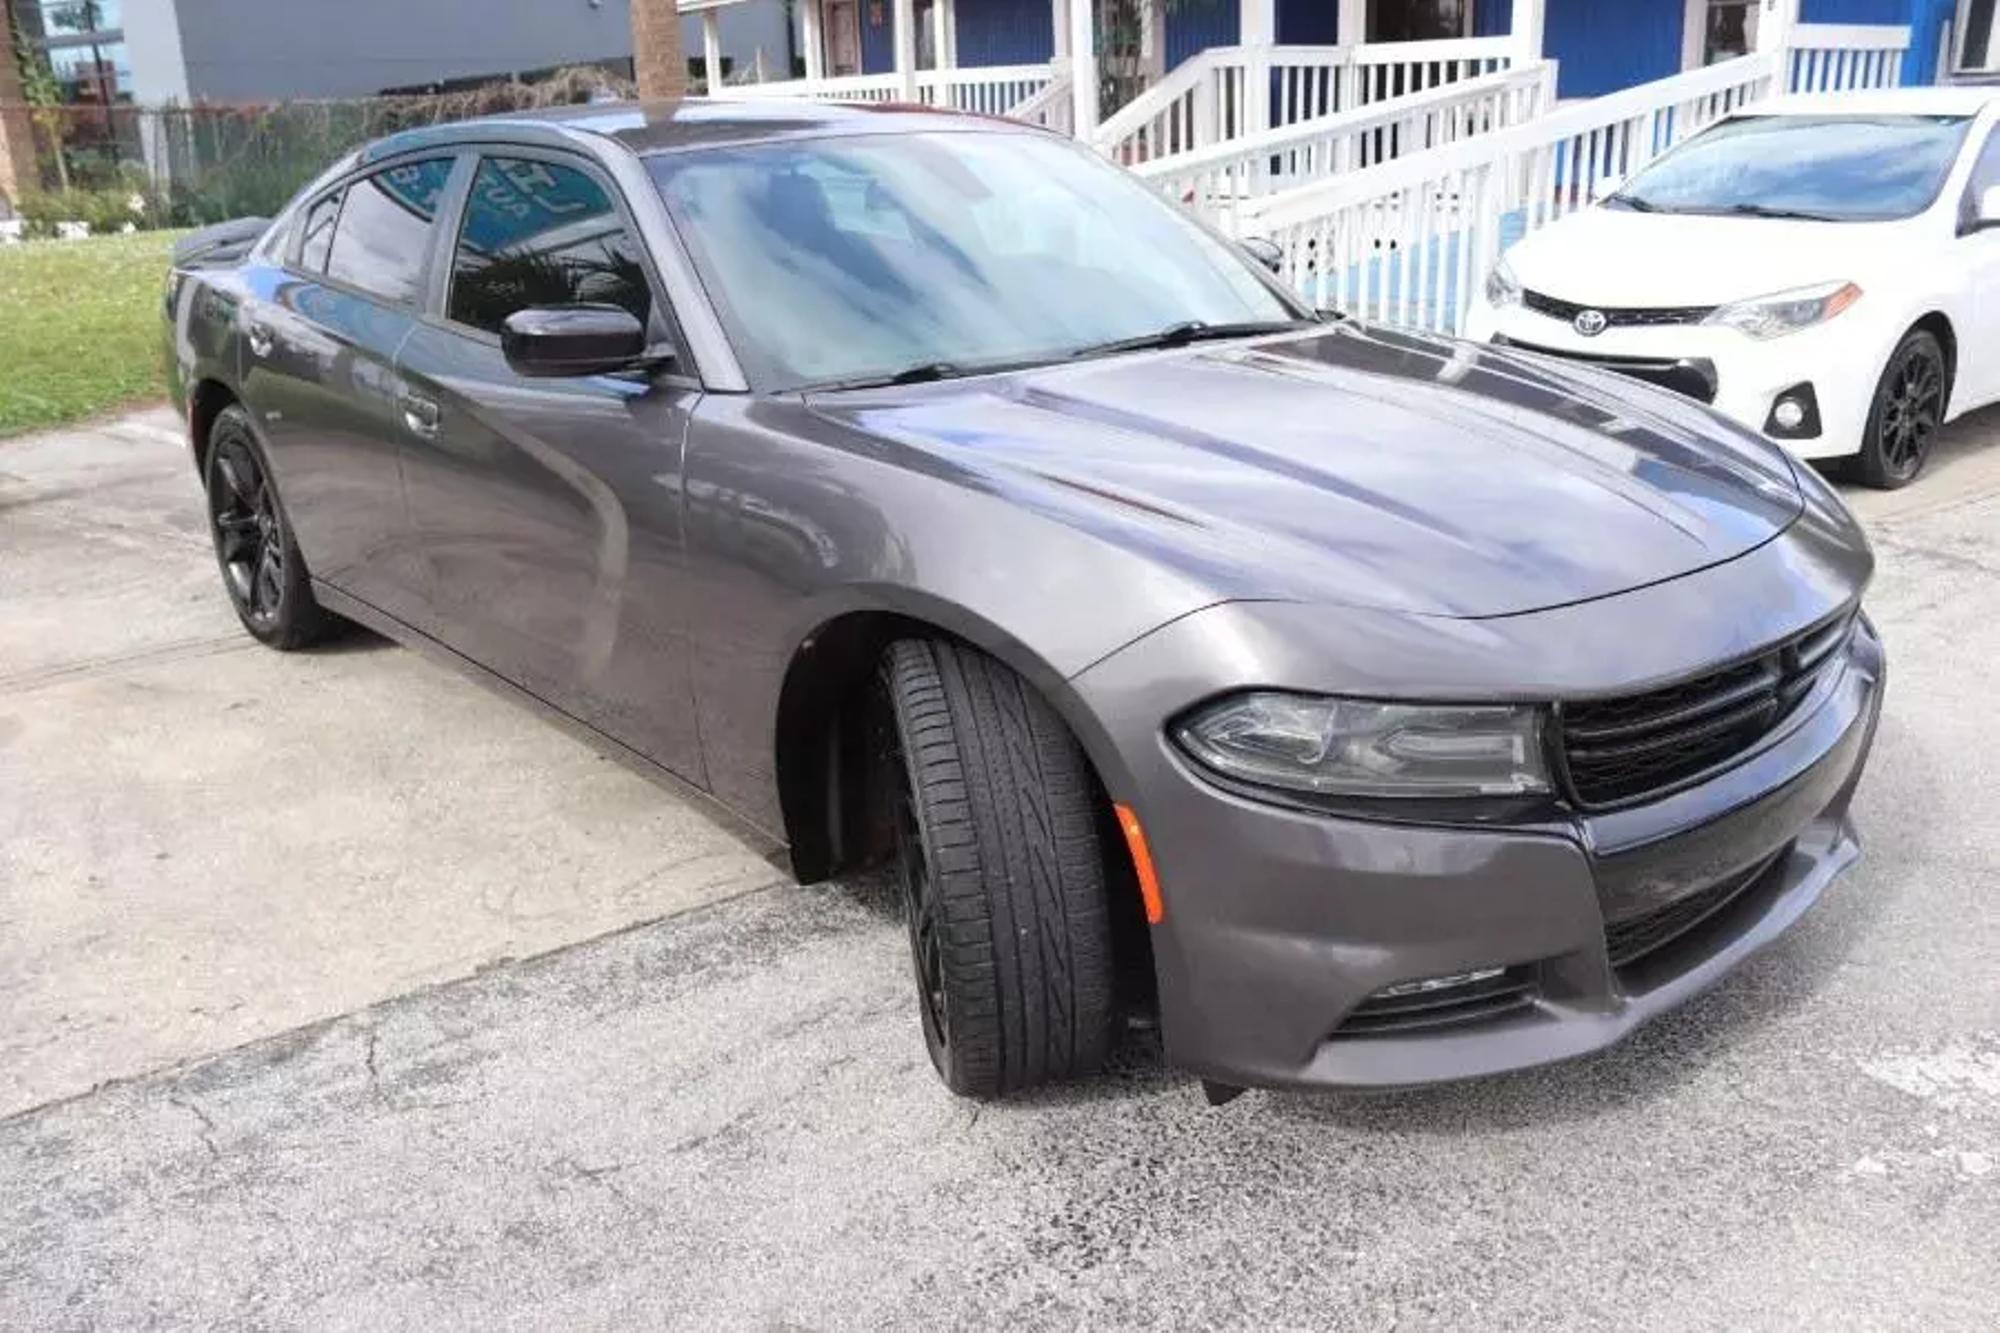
1363 707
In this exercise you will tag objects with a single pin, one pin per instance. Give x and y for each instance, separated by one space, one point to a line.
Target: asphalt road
309 1018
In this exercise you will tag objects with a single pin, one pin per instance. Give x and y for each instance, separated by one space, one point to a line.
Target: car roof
1879 102
694 122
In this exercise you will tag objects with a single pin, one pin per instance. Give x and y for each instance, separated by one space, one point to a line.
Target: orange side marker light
1142 862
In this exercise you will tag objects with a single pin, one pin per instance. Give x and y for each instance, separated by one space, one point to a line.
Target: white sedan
1825 270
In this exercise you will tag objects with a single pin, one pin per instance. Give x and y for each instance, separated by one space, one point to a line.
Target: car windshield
843 260
1828 168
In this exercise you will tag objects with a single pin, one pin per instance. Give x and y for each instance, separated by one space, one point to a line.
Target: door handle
261 339
420 414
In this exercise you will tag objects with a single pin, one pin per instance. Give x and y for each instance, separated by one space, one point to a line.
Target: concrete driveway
336 992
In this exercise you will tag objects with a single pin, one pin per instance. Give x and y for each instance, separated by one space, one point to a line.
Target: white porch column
1152 40
947 34
1059 21
711 50
811 30
1530 26
1259 24
1083 68
905 47
1351 22
1775 21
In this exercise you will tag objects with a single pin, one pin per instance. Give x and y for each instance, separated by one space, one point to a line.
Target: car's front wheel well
206 401
1939 327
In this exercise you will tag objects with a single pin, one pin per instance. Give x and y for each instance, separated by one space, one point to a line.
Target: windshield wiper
1766 211
1633 202
921 373
1193 330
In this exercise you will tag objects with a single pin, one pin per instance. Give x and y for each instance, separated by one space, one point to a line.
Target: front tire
1907 410
1002 873
262 570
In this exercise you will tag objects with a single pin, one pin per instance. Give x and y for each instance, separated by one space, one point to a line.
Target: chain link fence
193 165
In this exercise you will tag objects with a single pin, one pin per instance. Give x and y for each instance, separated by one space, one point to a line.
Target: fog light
1794 413
1429 984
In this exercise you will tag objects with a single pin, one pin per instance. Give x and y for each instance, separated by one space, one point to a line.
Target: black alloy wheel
261 566
1908 409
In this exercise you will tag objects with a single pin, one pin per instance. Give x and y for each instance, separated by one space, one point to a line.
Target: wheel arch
206 400
817 731
1939 325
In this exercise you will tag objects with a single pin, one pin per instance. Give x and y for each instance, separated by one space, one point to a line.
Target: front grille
1614 751
1634 938
1693 376
1616 317
1476 1001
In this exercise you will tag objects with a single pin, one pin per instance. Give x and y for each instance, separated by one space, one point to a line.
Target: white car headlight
1785 312
1355 747
1502 287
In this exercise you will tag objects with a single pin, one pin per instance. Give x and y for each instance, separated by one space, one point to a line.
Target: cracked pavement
339 993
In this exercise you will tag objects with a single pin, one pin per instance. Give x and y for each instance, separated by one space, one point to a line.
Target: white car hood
1617 257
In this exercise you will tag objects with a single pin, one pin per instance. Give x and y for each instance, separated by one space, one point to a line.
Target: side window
316 237
385 226
538 233
1985 175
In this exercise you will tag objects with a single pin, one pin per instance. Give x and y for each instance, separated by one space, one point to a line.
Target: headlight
1353 747
1502 287
1785 312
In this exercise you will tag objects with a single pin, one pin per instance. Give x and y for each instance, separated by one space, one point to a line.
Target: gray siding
268 50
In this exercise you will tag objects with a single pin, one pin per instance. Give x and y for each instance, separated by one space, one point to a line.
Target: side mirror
1989 207
1265 251
556 340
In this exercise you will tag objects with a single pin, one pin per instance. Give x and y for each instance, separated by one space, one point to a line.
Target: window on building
384 229
1418 20
83 44
539 233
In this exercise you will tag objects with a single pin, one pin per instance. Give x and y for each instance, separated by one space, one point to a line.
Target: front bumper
1742 376
1280 924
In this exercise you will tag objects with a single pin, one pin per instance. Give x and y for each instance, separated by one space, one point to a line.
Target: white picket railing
1052 108
1215 181
1408 241
1837 57
992 90
1228 92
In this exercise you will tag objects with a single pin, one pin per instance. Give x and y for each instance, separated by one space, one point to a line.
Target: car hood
1616 257
1357 466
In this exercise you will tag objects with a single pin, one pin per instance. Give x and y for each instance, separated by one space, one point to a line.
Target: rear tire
1002 872
262 570
1907 410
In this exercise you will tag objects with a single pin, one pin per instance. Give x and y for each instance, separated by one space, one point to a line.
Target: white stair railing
1227 92
989 90
1052 108
1216 181
1408 241
1838 57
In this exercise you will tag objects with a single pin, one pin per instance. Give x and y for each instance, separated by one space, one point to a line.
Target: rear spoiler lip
219 244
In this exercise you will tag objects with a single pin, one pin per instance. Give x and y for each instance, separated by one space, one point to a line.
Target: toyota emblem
1590 323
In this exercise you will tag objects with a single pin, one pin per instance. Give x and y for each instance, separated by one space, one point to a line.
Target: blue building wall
1492 18
1601 47
1005 32
1196 25
878 36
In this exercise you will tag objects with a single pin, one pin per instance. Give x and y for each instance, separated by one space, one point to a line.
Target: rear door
1977 255
549 510
321 335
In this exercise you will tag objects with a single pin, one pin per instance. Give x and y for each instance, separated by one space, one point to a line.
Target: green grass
80 327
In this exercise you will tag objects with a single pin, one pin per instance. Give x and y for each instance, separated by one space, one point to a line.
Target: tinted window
379 243
318 233
1840 168
536 233
835 259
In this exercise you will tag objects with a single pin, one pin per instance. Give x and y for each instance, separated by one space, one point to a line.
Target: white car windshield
1824 168
838 260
